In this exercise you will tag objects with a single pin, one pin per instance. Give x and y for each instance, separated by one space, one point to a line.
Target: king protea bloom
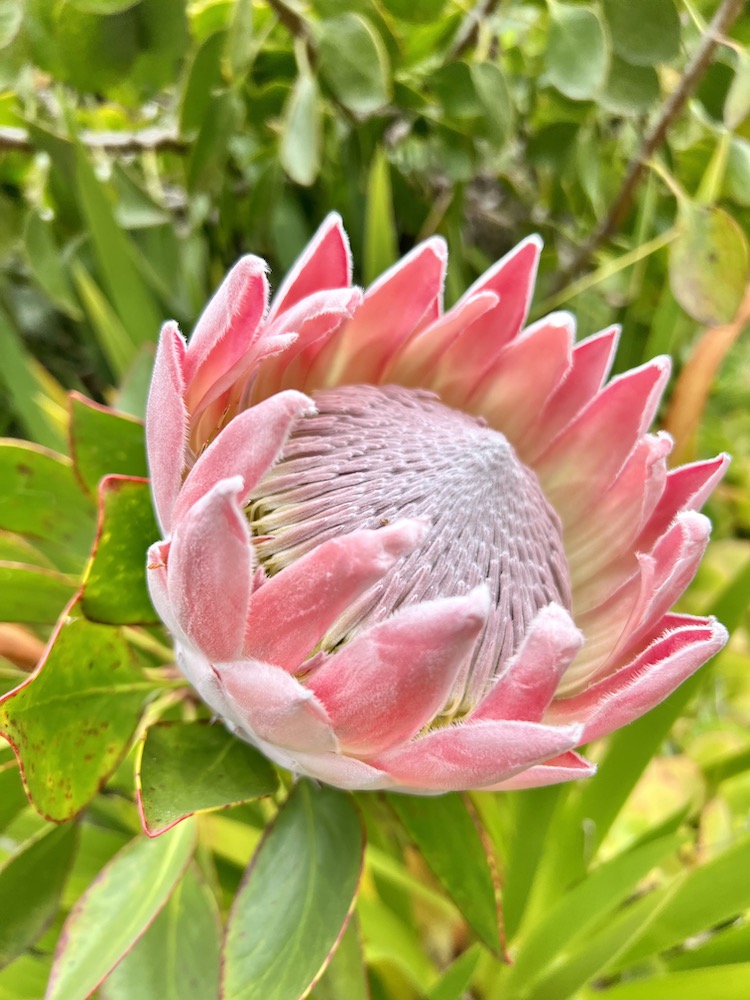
414 549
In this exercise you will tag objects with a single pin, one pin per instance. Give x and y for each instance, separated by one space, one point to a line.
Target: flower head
411 548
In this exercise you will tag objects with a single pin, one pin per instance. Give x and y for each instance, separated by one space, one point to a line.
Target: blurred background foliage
146 144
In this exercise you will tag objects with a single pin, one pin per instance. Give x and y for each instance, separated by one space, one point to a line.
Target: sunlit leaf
41 498
708 264
116 909
381 245
345 978
104 441
32 593
737 103
178 956
577 57
730 982
11 15
295 899
189 767
70 723
454 982
299 151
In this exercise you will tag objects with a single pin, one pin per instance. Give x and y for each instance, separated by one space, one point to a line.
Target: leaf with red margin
104 442
296 897
115 589
116 909
189 767
178 956
70 723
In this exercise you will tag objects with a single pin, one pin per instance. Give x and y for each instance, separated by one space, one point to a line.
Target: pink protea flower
414 549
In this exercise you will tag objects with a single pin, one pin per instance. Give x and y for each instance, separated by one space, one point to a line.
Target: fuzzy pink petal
340 771
567 767
600 543
248 446
324 263
531 678
687 488
167 423
636 688
393 678
476 754
593 449
392 309
156 579
271 705
591 362
512 279
226 329
292 611
675 556
314 319
209 572
524 375
415 362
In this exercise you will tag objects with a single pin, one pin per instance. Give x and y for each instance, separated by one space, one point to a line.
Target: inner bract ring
373 454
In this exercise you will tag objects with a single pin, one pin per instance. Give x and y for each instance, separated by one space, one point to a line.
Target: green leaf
454 982
178 956
104 441
211 148
33 594
577 51
42 498
708 264
701 899
103 6
630 90
115 255
189 767
11 16
203 78
737 103
115 589
116 909
737 175
133 392
114 340
36 397
71 722
346 977
295 899
299 151
496 120
354 63
47 266
12 796
381 239
31 884
644 32
727 982
443 830
573 915
240 49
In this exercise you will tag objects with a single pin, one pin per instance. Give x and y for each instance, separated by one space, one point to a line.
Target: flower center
373 454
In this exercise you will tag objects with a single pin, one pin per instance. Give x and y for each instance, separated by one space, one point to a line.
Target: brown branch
118 143
723 19
291 20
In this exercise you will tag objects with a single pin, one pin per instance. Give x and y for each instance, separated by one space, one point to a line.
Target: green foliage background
144 145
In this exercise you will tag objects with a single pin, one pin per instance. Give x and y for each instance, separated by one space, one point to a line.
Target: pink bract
414 549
